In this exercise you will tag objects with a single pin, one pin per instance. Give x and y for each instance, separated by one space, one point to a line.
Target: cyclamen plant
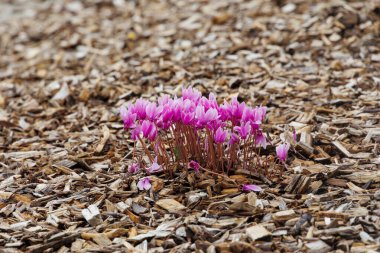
195 132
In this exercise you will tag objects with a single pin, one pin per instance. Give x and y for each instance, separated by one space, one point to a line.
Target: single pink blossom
165 99
255 125
243 130
167 113
220 135
188 105
155 167
211 114
128 118
237 110
187 118
191 94
139 108
176 110
194 165
203 118
135 133
149 130
282 151
251 187
225 111
261 140
217 124
260 113
233 139
134 168
153 134
212 100
144 184
153 111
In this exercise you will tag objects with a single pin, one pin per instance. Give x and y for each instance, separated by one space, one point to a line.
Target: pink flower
191 94
225 111
212 100
248 114
254 116
149 130
251 187
135 133
260 113
144 184
211 114
187 118
282 151
255 126
133 168
152 111
205 117
128 118
165 99
233 139
243 130
194 165
139 108
155 167
167 113
188 105
237 110
153 134
260 140
176 110
220 135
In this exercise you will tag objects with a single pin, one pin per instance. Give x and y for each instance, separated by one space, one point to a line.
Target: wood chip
171 205
257 232
92 215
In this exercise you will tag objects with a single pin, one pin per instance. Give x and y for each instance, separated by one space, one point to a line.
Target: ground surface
67 66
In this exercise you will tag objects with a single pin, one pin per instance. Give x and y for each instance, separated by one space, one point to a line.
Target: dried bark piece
349 230
355 188
363 177
55 244
92 215
318 247
171 205
234 247
106 136
284 215
100 238
257 232
342 148
299 184
23 154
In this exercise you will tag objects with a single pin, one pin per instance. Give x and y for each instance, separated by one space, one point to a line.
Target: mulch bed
67 66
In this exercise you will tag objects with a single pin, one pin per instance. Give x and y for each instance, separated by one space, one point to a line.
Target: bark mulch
67 66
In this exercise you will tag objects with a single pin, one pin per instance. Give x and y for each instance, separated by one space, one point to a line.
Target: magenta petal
251 187
194 165
144 184
133 168
282 151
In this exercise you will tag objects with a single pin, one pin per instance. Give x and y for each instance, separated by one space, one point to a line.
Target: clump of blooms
196 132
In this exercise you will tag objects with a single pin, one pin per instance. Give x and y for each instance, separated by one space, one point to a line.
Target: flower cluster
196 132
